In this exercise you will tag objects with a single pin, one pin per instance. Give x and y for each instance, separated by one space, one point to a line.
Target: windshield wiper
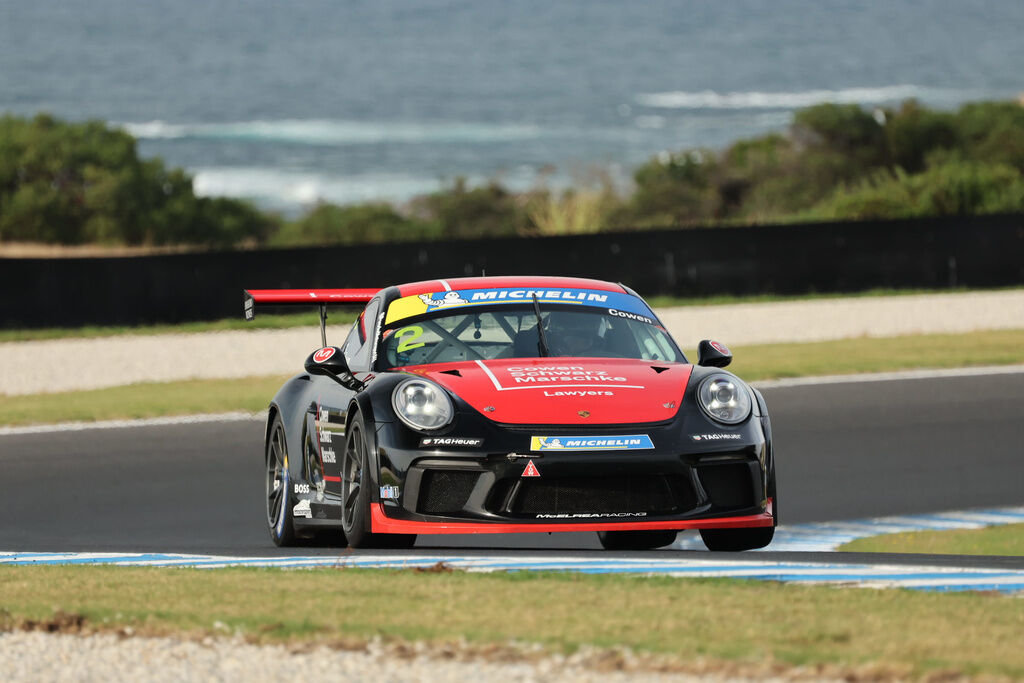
542 344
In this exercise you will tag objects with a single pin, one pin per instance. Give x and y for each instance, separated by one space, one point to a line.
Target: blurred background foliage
77 183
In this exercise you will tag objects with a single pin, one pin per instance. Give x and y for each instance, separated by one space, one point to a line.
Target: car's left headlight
724 398
422 405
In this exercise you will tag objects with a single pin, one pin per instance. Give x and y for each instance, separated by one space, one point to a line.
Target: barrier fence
967 251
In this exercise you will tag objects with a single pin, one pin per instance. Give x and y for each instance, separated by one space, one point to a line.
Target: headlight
422 405
725 399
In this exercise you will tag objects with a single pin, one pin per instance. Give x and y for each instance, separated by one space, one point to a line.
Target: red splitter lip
382 524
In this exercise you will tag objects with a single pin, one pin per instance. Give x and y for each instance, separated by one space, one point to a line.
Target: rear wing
321 298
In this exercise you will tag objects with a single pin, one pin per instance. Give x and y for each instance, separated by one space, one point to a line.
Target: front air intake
445 492
653 494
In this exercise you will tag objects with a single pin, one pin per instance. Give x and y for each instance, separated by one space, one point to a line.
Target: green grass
745 622
660 301
340 317
851 356
345 316
752 363
993 540
148 399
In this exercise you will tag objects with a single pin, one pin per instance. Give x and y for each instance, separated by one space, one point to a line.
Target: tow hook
512 457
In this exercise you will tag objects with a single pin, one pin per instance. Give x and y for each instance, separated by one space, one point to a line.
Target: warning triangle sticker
531 470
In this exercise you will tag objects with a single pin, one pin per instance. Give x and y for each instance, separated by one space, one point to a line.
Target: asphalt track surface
845 451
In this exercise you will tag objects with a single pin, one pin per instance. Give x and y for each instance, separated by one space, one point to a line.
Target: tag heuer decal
450 442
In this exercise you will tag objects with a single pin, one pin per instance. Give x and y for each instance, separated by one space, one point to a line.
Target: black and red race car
510 405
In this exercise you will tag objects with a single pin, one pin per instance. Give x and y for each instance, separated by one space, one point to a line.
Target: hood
539 391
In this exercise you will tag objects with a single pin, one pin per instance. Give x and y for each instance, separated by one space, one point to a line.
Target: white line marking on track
890 376
123 424
946 578
766 384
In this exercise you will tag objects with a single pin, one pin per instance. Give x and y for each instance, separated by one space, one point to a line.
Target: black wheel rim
277 478
351 477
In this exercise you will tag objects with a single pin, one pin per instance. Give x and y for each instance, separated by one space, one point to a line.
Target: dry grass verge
686 625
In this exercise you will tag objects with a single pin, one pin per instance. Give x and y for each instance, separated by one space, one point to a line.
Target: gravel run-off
76 364
37 656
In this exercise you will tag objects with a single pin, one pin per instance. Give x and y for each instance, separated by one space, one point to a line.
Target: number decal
408 335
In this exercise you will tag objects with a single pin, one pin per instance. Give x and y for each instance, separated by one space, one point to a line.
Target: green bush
73 183
461 211
952 188
357 224
76 183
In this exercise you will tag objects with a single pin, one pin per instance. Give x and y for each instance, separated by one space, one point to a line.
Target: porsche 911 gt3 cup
512 405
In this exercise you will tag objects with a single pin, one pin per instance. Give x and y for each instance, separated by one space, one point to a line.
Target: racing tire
636 540
733 540
355 495
277 478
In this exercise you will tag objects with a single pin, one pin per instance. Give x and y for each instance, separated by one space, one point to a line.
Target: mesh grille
728 486
653 494
445 491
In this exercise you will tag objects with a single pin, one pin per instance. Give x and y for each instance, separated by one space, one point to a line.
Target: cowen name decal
632 442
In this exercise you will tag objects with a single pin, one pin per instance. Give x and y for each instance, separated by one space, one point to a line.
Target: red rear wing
303 297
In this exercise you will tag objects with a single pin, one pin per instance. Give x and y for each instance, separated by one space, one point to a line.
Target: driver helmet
572 334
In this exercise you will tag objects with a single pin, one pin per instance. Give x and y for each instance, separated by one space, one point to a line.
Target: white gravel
74 364
35 656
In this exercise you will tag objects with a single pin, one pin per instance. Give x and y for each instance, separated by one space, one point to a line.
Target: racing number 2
408 335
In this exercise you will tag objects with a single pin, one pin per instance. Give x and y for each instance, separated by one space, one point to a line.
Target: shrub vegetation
74 183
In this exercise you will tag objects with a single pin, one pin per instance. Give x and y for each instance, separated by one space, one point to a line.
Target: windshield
511 332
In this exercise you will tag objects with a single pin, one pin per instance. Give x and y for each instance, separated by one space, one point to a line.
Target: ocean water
290 103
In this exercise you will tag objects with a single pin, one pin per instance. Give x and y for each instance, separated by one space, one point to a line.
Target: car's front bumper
678 484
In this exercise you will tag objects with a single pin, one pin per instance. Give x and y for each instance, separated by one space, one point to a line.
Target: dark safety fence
968 251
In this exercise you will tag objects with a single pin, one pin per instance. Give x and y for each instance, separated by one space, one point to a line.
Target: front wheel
635 540
279 511
355 495
737 539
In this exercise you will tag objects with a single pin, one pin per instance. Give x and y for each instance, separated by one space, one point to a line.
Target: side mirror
330 361
713 354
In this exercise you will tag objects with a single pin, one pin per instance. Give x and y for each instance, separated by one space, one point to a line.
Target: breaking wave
291 190
709 99
339 133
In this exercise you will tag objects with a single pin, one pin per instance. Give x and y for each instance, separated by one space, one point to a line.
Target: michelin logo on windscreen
418 304
632 442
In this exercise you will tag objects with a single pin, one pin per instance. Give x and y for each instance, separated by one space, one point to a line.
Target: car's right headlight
724 398
422 405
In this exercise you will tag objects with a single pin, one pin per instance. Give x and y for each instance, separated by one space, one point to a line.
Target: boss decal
449 441
716 437
301 488
632 442
324 354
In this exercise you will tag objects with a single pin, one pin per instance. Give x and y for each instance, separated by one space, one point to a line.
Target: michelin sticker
624 305
633 442
302 510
